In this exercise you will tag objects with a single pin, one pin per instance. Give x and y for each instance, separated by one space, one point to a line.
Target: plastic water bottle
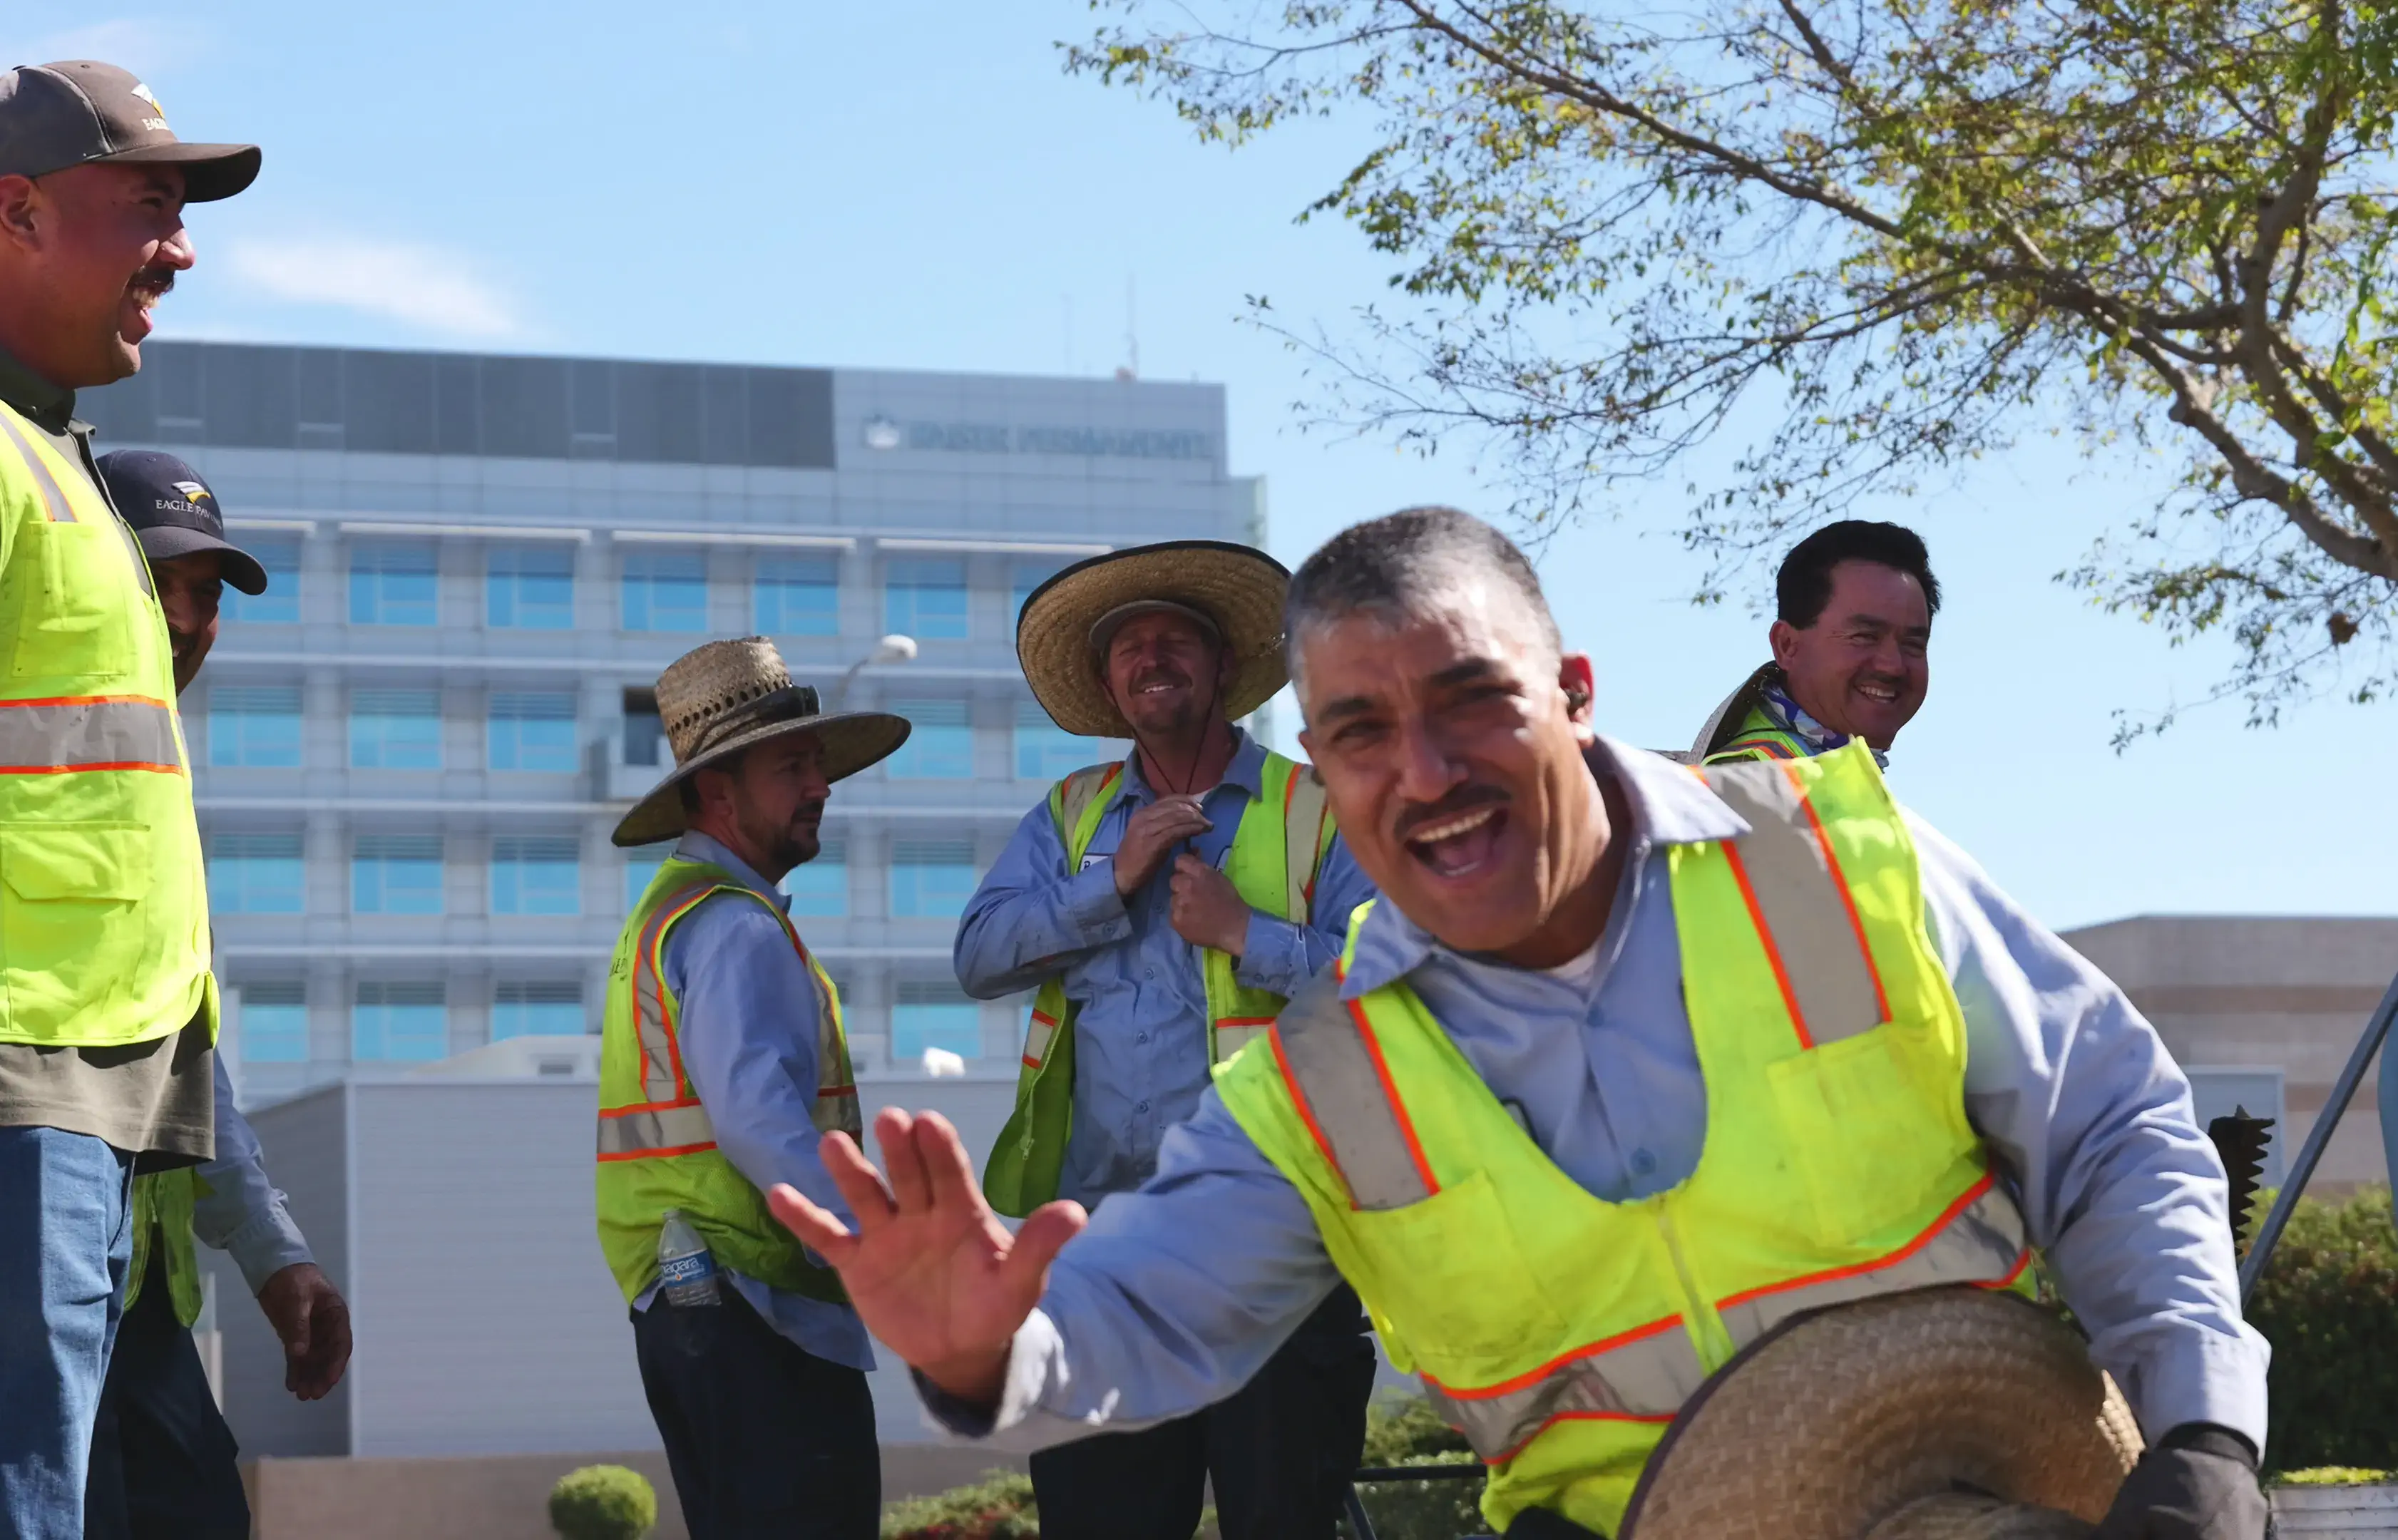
686 1271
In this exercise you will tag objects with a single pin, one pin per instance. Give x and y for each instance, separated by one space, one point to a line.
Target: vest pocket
1448 1274
72 946
1872 1122
74 621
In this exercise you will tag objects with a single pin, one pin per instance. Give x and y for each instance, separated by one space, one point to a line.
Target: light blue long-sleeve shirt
235 1208
1140 1029
1178 1294
747 1029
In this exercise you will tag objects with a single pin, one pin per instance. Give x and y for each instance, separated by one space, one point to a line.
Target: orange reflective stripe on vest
669 1120
1642 1375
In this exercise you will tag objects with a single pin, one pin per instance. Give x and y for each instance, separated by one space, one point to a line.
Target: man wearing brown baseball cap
107 1012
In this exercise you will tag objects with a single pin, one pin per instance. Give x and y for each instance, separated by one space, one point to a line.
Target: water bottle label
693 1268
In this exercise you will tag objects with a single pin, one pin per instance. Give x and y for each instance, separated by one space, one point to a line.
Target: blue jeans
66 1238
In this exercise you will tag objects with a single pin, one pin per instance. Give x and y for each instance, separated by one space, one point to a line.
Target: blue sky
914 184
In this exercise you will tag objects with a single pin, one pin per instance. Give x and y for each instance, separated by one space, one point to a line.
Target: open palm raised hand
932 1271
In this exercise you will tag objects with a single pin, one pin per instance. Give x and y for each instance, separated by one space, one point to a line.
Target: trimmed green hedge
2329 1306
1403 1431
997 1507
602 1503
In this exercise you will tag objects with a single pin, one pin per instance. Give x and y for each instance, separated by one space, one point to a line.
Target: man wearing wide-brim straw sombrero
1695 1134
1164 906
722 1061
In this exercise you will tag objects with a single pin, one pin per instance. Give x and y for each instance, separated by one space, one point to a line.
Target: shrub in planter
1403 1431
2329 1306
997 1507
602 1503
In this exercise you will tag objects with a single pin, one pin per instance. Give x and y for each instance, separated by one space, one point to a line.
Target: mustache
157 279
1464 799
809 812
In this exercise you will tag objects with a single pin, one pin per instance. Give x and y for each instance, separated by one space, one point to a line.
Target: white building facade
410 753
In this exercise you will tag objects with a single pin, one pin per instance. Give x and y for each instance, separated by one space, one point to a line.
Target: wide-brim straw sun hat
724 697
1237 588
1943 1414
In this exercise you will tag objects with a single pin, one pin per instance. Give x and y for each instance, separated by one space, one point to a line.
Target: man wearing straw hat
1164 907
1640 1083
722 1063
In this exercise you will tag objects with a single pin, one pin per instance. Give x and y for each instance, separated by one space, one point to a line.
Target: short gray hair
1407 564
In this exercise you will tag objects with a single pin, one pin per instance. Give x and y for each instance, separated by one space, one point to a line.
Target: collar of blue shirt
696 846
1247 771
1670 806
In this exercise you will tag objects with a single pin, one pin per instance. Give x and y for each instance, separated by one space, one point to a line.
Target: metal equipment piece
2343 1091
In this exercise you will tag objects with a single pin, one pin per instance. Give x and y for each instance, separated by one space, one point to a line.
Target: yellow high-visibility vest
1276 852
1562 1333
656 1148
104 900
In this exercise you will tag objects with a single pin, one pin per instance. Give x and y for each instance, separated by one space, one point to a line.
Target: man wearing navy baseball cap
182 529
163 1460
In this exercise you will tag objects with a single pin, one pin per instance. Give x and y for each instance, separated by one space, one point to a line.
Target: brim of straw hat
1864 1422
1240 587
851 740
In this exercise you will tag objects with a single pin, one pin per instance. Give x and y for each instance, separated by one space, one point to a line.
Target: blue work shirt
1178 1294
1140 1029
747 1028
235 1208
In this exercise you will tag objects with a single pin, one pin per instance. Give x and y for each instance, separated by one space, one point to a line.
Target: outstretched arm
1172 1299
2089 1115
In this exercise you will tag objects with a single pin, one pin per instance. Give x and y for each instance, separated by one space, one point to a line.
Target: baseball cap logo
157 119
191 490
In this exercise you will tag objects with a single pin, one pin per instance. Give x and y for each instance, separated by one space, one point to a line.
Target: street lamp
894 648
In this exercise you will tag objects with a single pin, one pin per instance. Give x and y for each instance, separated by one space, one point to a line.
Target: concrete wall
455 1213
2290 994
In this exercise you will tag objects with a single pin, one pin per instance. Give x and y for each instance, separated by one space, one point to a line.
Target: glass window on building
640 868
1029 576
645 732
820 888
395 730
939 745
399 1023
924 599
280 604
537 1009
665 591
257 727
536 875
275 1022
531 731
1046 752
529 588
395 873
394 585
257 874
934 1015
932 879
798 597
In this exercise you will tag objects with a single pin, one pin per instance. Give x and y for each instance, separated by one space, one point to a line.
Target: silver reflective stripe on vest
1340 1091
54 495
1979 1240
100 734
1302 840
659 1082
1805 919
1643 1380
657 1130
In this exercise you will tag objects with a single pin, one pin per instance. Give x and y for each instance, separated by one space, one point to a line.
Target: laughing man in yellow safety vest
1632 1063
1851 639
1164 907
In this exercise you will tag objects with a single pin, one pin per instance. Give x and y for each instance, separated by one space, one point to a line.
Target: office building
410 752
